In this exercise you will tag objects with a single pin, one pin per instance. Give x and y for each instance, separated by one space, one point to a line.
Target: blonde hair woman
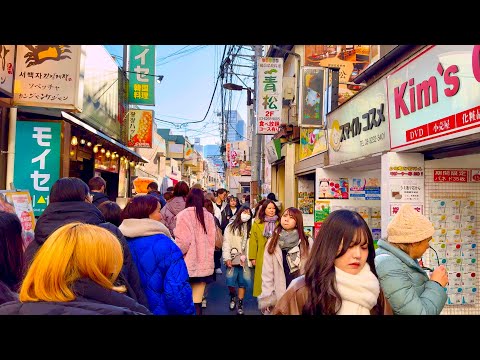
73 273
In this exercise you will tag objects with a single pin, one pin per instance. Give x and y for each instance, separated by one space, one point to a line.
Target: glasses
436 256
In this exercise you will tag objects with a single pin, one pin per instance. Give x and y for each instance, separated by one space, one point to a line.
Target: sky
190 73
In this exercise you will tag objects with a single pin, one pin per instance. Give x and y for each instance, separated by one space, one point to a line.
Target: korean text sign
141 88
269 96
37 160
49 76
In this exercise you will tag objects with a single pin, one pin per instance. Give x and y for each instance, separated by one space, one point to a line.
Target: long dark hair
11 250
69 189
195 199
297 214
340 228
237 224
261 213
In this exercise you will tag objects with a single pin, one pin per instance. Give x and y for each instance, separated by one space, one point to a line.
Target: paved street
218 299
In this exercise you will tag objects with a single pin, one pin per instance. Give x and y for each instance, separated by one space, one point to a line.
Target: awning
91 129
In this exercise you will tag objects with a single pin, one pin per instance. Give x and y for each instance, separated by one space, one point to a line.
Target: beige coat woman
273 276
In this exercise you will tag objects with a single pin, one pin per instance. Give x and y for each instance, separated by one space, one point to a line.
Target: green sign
141 88
37 160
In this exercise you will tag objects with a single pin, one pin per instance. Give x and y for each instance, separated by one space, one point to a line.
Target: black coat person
61 213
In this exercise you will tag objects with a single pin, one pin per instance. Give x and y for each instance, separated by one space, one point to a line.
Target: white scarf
359 292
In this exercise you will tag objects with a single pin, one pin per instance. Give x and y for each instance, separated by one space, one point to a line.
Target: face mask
245 217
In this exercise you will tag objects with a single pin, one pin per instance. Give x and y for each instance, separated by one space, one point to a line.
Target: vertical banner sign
141 77
49 76
269 96
37 160
7 57
140 129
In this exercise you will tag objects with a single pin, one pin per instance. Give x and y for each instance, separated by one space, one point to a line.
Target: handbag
218 238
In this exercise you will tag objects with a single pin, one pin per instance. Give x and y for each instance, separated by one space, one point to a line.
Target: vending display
455 246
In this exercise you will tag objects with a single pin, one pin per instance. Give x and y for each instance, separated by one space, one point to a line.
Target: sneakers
204 302
232 303
240 307
218 271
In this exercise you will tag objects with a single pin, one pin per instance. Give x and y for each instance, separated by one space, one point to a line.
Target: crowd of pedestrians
158 255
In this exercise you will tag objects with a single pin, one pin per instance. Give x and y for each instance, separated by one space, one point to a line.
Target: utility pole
256 154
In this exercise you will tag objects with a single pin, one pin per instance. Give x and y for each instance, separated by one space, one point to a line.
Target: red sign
462 119
451 175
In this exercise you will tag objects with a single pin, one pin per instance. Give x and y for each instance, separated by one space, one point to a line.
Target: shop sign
140 128
103 93
49 76
37 160
359 127
273 150
456 175
7 62
141 77
269 103
435 95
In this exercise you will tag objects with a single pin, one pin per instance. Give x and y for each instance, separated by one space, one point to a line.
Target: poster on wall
20 203
322 210
7 60
372 189
306 195
312 96
313 141
357 189
333 188
308 230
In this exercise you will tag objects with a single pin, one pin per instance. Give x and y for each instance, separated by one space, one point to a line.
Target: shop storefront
434 118
358 135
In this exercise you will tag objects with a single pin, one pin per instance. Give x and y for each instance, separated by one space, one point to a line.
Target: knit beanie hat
409 226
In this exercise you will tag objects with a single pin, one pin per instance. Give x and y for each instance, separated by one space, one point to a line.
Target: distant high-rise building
236 126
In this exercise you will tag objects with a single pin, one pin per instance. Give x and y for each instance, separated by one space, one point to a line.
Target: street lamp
236 87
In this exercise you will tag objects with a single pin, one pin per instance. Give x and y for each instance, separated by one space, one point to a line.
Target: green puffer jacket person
405 284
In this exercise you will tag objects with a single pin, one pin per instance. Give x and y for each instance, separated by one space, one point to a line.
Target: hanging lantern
95 149
102 150
89 144
82 141
107 154
74 141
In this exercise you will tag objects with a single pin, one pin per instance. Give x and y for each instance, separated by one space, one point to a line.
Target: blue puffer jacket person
405 284
160 263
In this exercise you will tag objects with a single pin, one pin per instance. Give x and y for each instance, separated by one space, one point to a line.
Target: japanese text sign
49 76
37 160
7 56
141 88
140 128
269 95
435 95
359 127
